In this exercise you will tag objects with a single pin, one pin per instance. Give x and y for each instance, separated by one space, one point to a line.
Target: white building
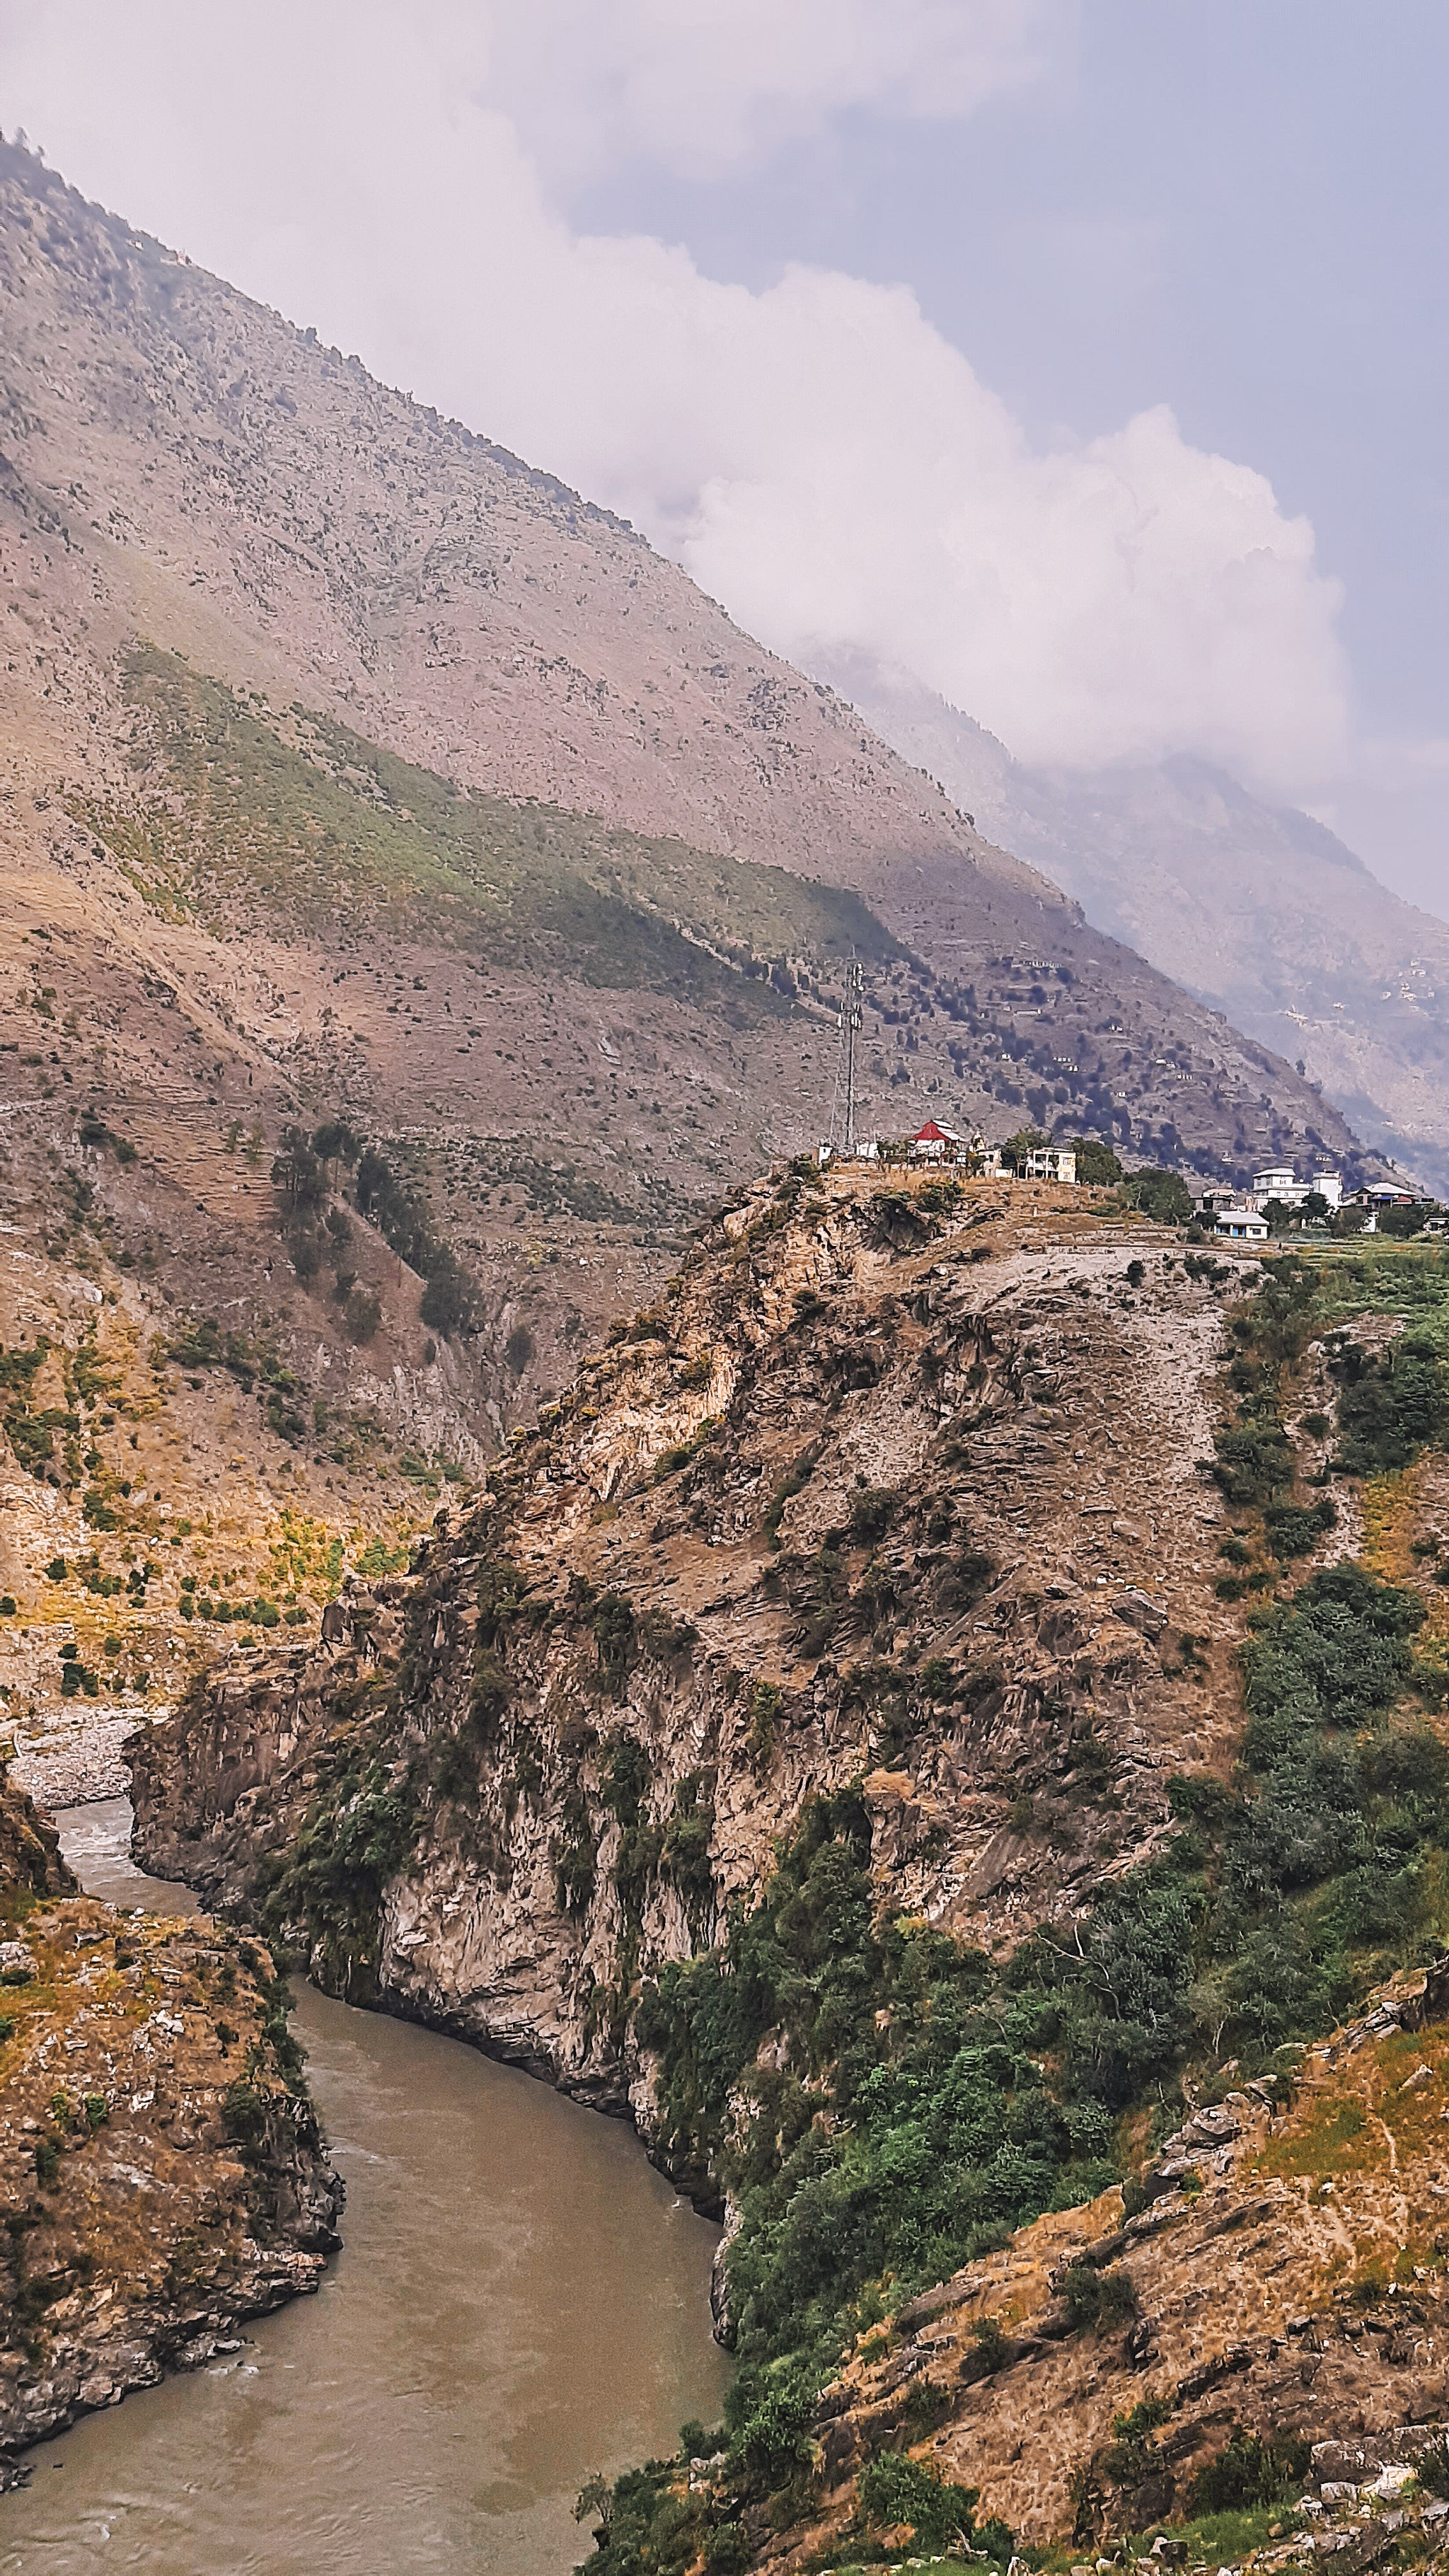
1050 1163
1241 1225
1279 1181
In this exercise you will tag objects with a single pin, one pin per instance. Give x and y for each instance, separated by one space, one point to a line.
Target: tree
1096 1163
363 1314
449 1301
297 1171
335 1142
1403 1221
1161 1195
1027 1140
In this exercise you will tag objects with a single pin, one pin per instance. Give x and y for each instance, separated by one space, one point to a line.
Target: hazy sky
1087 360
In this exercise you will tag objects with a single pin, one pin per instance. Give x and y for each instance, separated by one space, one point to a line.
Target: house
1050 1163
1241 1225
1279 1181
936 1144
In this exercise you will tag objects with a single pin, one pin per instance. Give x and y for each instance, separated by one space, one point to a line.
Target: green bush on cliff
928 2103
896 2491
1392 1407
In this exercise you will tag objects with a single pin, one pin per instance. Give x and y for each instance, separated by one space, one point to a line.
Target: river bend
520 2299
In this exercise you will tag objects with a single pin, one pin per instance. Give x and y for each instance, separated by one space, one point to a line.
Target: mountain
1255 907
364 778
904 1729
184 470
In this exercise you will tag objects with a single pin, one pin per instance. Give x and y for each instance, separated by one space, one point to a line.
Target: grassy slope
238 807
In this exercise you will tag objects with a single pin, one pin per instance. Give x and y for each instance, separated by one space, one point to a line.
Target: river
520 2300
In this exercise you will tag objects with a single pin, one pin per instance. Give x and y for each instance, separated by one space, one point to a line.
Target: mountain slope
1257 908
181 468
881 1731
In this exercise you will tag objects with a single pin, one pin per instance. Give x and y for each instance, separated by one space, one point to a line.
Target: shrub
1099 2300
1432 2466
871 1510
661 1634
776 2437
896 2490
765 1708
1391 1407
1248 2471
362 1314
1294 1530
613 1625
244 2117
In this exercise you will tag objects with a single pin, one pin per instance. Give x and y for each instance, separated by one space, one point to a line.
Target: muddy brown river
520 2300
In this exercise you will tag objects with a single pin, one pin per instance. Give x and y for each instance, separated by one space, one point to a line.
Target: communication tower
852 1020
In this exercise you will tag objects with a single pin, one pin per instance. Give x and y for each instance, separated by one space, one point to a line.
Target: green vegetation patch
929 2102
1392 1407
238 805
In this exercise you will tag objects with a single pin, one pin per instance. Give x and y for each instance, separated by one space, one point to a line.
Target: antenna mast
852 1018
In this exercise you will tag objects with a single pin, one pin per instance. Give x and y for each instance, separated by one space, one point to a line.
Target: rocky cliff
957 1683
895 1485
161 2170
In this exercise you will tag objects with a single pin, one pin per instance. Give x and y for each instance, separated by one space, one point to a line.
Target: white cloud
701 86
820 458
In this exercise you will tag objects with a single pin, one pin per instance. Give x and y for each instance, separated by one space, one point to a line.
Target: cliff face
841 1743
879 1491
30 1855
1310 2305
160 2165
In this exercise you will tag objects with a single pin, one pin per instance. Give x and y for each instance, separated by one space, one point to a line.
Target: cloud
702 86
819 457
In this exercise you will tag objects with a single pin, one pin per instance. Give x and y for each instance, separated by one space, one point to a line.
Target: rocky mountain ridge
187 477
1258 909
840 1742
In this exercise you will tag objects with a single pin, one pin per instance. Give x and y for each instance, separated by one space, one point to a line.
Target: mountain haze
1255 907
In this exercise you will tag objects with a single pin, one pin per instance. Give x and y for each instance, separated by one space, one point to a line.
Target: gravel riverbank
78 1758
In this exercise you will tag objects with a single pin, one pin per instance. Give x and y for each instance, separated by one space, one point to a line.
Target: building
1241 1225
1279 1181
936 1144
1050 1163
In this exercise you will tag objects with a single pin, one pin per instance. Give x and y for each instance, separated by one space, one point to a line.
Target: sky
1086 358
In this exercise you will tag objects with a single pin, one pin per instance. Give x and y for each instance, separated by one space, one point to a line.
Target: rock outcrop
838 1743
162 2176
887 1488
